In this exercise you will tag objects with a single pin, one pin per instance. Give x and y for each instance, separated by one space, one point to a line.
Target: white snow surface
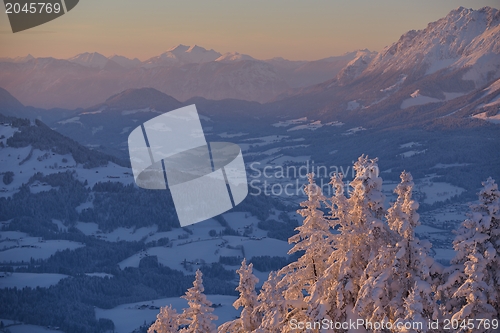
119 234
182 54
492 119
437 191
32 280
36 248
87 59
101 275
418 99
290 122
410 144
24 166
354 130
128 317
233 56
353 105
231 135
31 329
199 247
465 37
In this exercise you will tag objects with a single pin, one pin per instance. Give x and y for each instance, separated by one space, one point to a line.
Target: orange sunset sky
297 30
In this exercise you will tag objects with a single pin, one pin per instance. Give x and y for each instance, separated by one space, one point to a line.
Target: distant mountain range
182 72
446 74
451 57
420 77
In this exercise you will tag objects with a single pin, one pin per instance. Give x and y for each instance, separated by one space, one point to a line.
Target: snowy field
276 150
199 247
314 125
200 231
418 99
26 161
492 119
412 153
352 105
198 251
31 329
437 191
49 163
291 122
261 141
100 275
410 144
449 165
227 135
60 225
354 130
19 247
32 280
128 317
119 234
281 160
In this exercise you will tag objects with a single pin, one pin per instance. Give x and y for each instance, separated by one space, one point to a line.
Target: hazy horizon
295 30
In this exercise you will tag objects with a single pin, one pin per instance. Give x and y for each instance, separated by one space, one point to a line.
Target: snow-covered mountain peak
125 62
178 49
90 59
233 56
196 49
24 59
198 54
183 54
19 59
356 66
464 38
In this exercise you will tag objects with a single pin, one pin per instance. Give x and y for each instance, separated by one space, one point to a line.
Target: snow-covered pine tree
249 320
198 316
366 203
413 305
478 248
272 308
314 238
362 233
399 267
320 303
167 321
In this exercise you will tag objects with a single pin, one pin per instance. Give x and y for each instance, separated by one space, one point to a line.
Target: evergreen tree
198 316
167 321
321 303
272 307
248 320
478 248
399 267
362 233
413 304
314 238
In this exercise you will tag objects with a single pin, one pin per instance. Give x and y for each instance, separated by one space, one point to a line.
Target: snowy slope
26 161
464 38
356 66
32 280
182 54
182 72
233 56
87 59
125 62
127 317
